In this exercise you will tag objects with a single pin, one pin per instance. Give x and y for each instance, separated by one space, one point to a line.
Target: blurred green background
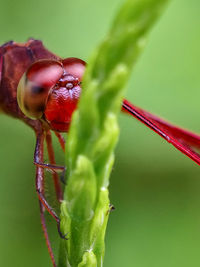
155 189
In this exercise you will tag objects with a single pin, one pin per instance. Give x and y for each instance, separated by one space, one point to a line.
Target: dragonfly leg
38 157
44 227
54 169
61 140
40 191
62 144
62 177
1 66
50 167
57 186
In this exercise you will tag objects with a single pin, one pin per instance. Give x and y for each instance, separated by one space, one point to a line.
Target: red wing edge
184 140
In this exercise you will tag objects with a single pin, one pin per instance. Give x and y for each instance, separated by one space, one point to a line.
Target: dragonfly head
50 90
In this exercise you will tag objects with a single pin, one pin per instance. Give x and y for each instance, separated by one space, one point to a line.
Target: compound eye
35 86
74 66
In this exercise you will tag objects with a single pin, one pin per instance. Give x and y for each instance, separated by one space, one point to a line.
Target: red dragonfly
43 90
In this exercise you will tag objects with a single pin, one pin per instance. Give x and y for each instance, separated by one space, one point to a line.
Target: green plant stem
94 132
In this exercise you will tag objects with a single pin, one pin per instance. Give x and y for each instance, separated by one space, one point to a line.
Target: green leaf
94 133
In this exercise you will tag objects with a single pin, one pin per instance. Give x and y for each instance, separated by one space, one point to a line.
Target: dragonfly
43 90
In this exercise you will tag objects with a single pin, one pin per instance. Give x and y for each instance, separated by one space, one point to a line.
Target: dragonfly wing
184 140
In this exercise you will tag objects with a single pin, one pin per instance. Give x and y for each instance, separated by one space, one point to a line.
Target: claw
111 208
63 236
62 177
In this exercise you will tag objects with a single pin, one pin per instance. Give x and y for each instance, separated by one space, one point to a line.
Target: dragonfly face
49 90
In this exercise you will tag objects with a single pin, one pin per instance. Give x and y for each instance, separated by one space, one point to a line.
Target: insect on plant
43 90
